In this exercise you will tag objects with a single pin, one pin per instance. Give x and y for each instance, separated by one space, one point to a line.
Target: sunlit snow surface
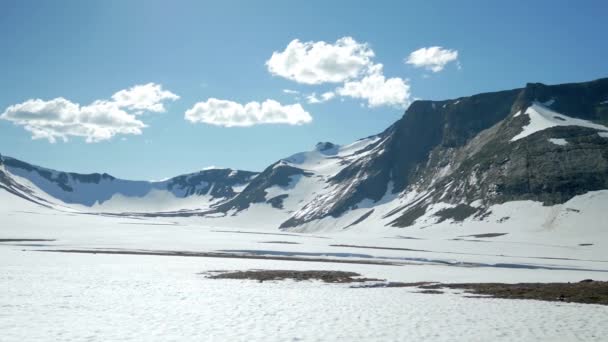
542 117
100 298
95 297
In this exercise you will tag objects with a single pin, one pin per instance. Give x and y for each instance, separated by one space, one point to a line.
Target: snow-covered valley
98 297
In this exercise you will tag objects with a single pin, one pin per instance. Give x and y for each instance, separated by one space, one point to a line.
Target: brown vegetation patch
586 291
269 275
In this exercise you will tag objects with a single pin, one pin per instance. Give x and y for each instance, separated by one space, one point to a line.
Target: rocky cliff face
408 144
463 151
563 152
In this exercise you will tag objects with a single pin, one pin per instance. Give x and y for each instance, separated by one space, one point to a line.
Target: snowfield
542 117
99 297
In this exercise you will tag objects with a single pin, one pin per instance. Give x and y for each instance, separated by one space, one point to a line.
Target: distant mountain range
442 162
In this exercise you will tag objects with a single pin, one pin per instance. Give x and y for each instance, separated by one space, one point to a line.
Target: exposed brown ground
266 275
587 291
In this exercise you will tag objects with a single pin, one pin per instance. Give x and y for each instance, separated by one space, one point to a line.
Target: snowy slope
290 184
102 192
542 117
132 298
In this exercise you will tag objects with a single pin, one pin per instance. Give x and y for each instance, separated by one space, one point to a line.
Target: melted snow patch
560 142
542 118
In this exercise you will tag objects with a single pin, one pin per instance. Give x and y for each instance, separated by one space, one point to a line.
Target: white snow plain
98 297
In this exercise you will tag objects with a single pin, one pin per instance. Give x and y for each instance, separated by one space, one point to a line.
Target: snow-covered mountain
102 192
448 161
540 151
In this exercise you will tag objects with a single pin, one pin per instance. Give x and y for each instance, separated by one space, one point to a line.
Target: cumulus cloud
377 90
433 58
60 118
326 96
346 61
232 114
146 97
321 62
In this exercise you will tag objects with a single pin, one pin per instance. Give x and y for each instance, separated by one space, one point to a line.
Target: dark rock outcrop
277 174
460 151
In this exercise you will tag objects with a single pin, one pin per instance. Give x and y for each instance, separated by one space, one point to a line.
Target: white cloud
145 97
290 91
326 96
378 90
312 98
101 120
321 62
346 61
60 118
230 114
433 58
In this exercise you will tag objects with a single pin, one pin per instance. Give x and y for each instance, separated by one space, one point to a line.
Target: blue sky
85 51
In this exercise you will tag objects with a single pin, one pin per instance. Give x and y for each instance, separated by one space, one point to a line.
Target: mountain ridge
217 183
543 143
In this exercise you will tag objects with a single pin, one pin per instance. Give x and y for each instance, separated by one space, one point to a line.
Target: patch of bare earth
586 291
269 275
